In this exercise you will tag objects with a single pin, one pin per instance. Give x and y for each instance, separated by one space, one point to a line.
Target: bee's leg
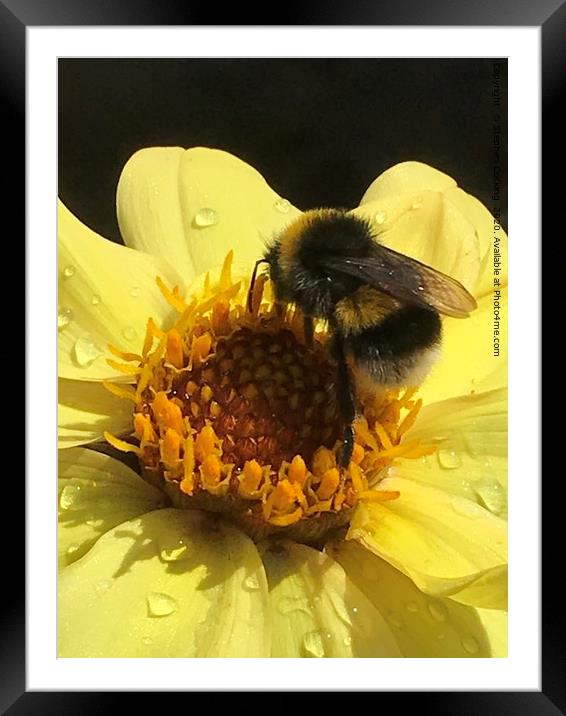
308 329
346 402
252 283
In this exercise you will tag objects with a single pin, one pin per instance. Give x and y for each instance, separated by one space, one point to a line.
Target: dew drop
205 217
135 291
103 586
95 523
72 548
466 508
282 206
448 459
380 217
438 611
312 644
147 640
416 205
85 352
289 605
64 317
69 271
160 605
129 333
412 607
492 495
470 644
348 640
174 553
396 620
251 583
68 497
95 300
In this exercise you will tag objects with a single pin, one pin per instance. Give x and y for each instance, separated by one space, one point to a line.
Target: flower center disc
263 395
235 414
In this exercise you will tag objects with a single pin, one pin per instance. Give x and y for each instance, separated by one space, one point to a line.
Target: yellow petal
447 545
427 227
424 626
470 433
420 211
193 206
96 493
407 178
149 207
491 236
171 583
106 294
226 204
86 410
467 364
317 611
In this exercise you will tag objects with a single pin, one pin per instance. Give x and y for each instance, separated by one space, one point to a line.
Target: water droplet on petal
448 459
129 333
312 644
288 605
103 586
64 317
466 508
174 554
147 640
438 611
205 217
95 300
85 352
282 206
95 523
416 204
470 644
396 620
251 583
135 291
160 605
380 217
69 271
72 548
348 640
412 607
68 497
492 495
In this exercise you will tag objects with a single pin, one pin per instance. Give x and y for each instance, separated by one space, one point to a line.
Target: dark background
319 130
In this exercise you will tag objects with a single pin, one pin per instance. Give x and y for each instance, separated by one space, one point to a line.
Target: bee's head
299 255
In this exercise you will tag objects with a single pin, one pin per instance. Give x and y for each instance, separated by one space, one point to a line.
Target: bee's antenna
252 282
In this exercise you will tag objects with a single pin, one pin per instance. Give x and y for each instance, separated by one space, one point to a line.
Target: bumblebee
382 308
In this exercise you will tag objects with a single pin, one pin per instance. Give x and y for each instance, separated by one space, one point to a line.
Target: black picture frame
15 17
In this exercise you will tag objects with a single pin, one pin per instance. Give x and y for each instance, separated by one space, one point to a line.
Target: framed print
281 293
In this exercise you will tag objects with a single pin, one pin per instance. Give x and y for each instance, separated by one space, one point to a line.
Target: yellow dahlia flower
228 413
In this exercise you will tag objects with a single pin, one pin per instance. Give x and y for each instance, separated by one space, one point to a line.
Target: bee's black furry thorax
297 269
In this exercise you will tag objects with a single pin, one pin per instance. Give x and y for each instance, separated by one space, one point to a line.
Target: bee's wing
407 280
